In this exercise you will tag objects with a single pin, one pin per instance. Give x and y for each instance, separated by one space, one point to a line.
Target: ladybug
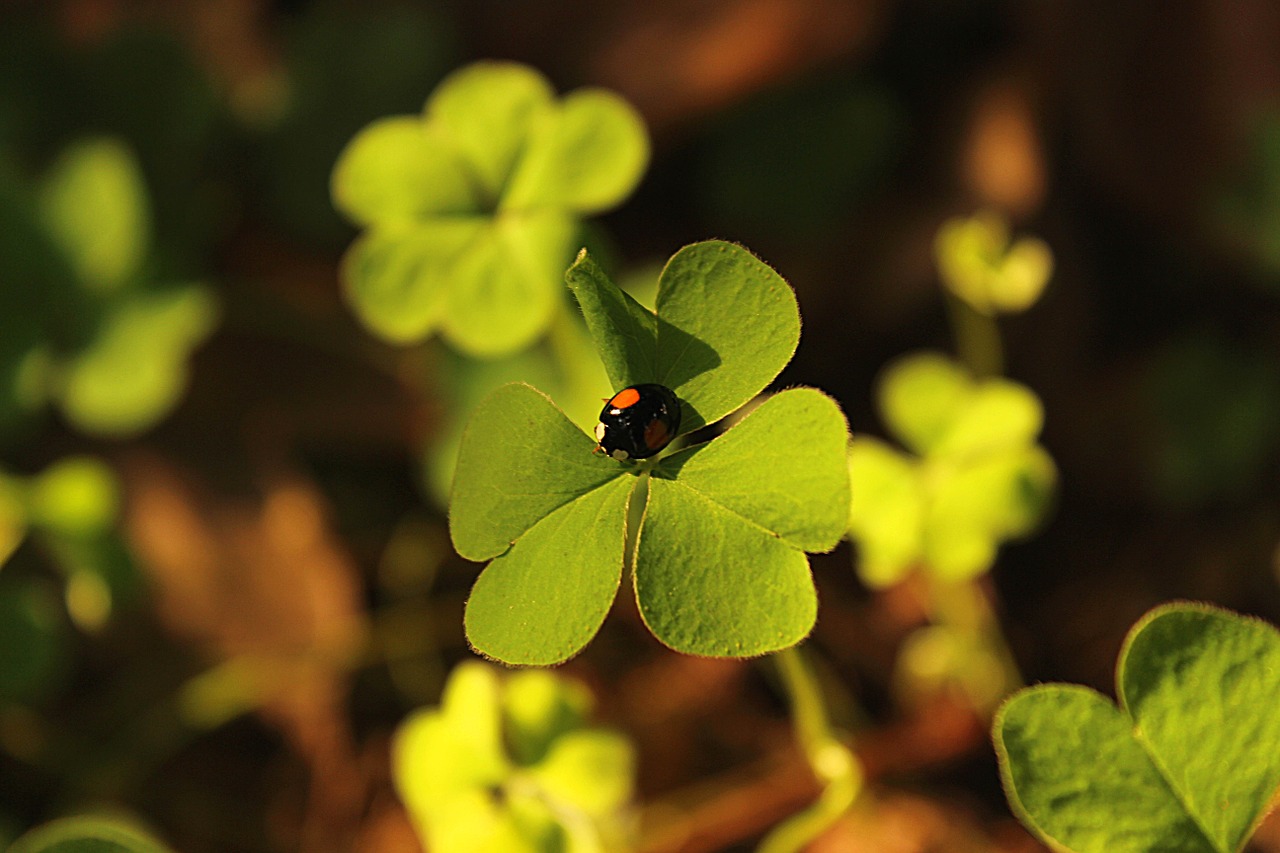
638 421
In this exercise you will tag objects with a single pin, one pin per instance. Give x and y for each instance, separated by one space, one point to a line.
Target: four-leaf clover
718 531
472 209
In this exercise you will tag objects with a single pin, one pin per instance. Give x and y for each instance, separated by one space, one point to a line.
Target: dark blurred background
276 523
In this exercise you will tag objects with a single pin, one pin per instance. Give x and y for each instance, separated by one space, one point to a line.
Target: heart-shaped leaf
980 265
721 568
495 502
1190 760
726 325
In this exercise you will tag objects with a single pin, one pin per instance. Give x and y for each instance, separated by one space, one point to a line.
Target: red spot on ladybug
625 398
638 422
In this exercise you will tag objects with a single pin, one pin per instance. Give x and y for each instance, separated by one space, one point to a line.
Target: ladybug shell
638 421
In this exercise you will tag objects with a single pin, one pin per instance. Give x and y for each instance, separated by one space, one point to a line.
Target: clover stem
833 763
965 608
977 338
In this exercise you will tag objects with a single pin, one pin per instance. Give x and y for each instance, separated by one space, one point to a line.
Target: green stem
965 609
977 338
834 764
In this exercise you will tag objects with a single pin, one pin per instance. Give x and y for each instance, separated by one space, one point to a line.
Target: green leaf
710 582
95 206
624 331
520 459
86 834
504 288
135 371
782 467
592 770
396 277
886 511
487 110
727 325
76 496
586 155
545 598
400 170
995 414
539 707
1189 762
920 395
979 264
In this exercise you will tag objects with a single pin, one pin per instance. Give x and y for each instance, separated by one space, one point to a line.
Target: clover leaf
975 478
1189 761
471 211
983 268
719 549
506 765
121 364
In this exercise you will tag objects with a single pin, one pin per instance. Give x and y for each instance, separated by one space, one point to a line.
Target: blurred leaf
886 514
87 834
135 371
94 204
505 154
465 795
401 170
980 477
586 155
980 265
539 708
488 110
76 496
919 397
394 277
13 516
1189 761
498 301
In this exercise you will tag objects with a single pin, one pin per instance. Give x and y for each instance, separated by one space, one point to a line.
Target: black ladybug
638 421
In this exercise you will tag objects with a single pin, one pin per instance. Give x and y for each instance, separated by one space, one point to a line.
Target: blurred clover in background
991 273
471 211
974 475
508 764
86 326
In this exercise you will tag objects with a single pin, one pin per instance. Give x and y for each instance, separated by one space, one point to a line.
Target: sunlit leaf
979 264
94 204
135 371
1190 761
401 170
